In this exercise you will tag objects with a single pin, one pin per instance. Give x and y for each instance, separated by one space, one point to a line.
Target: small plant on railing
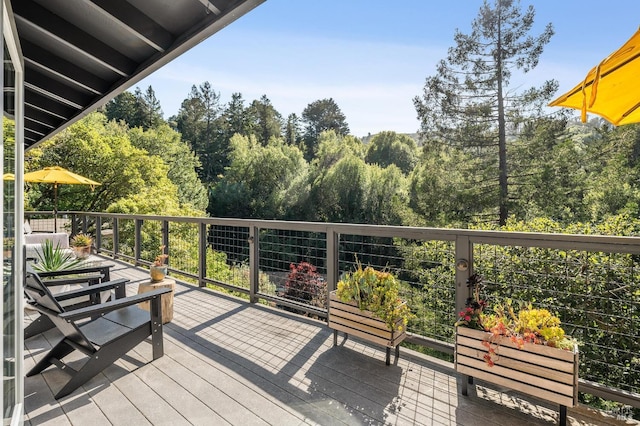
378 292
158 269
81 245
161 258
521 325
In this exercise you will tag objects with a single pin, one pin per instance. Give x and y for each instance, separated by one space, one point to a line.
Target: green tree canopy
389 147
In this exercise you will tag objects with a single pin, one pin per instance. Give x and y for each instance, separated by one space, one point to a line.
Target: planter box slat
363 335
506 354
517 386
376 328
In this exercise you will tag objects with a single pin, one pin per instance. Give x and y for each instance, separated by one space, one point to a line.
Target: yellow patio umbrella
57 175
8 176
611 88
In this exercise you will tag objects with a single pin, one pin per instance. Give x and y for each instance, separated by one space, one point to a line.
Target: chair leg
59 351
157 340
40 325
104 357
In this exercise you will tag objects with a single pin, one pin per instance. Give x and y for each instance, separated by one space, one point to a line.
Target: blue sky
372 56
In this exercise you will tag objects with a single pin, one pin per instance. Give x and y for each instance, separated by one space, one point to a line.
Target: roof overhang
79 54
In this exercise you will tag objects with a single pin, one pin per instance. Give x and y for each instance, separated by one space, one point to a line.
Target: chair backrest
38 293
40 297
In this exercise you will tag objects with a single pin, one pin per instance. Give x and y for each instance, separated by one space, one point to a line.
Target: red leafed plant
304 284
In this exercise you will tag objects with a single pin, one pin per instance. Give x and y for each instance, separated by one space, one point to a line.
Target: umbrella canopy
57 175
8 176
611 88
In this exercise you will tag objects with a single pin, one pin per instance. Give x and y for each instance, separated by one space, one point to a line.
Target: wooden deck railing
590 281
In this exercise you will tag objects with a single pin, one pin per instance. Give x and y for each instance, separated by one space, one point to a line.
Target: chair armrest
73 271
89 279
103 308
92 289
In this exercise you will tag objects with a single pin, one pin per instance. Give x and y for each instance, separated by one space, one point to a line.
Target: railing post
165 237
254 256
137 242
98 238
202 254
332 262
116 238
464 269
74 224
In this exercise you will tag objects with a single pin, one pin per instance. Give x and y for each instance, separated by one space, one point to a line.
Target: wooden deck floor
230 362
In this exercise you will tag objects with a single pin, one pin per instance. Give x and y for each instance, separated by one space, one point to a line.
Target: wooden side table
167 299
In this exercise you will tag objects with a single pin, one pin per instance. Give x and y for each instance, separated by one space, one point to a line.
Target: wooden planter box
541 371
348 318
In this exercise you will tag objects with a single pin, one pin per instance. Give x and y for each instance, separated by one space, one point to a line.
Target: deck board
229 362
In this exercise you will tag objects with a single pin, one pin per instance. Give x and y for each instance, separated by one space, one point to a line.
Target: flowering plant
378 292
524 325
161 258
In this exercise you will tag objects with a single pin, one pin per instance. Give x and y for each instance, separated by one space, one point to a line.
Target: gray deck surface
230 362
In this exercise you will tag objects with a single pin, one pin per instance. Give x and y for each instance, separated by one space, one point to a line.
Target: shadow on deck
230 362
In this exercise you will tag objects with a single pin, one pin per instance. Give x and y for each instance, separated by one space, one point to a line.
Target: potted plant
81 245
367 304
52 258
523 348
158 269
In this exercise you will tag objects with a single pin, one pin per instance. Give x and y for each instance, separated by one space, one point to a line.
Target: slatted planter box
541 371
348 318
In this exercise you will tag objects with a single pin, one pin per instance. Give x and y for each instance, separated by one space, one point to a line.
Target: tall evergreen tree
122 108
235 118
469 104
197 120
148 109
266 121
292 130
318 116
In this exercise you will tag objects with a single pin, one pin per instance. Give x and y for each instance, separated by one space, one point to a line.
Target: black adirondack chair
103 332
43 323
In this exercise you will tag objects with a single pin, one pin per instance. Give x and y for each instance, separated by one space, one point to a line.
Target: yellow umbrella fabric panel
58 175
611 88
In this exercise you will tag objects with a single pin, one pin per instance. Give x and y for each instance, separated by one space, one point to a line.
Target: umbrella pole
55 207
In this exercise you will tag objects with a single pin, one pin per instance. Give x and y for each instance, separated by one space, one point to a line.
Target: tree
469 104
165 143
292 130
261 181
122 108
318 117
131 180
266 121
388 148
148 110
235 118
198 121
